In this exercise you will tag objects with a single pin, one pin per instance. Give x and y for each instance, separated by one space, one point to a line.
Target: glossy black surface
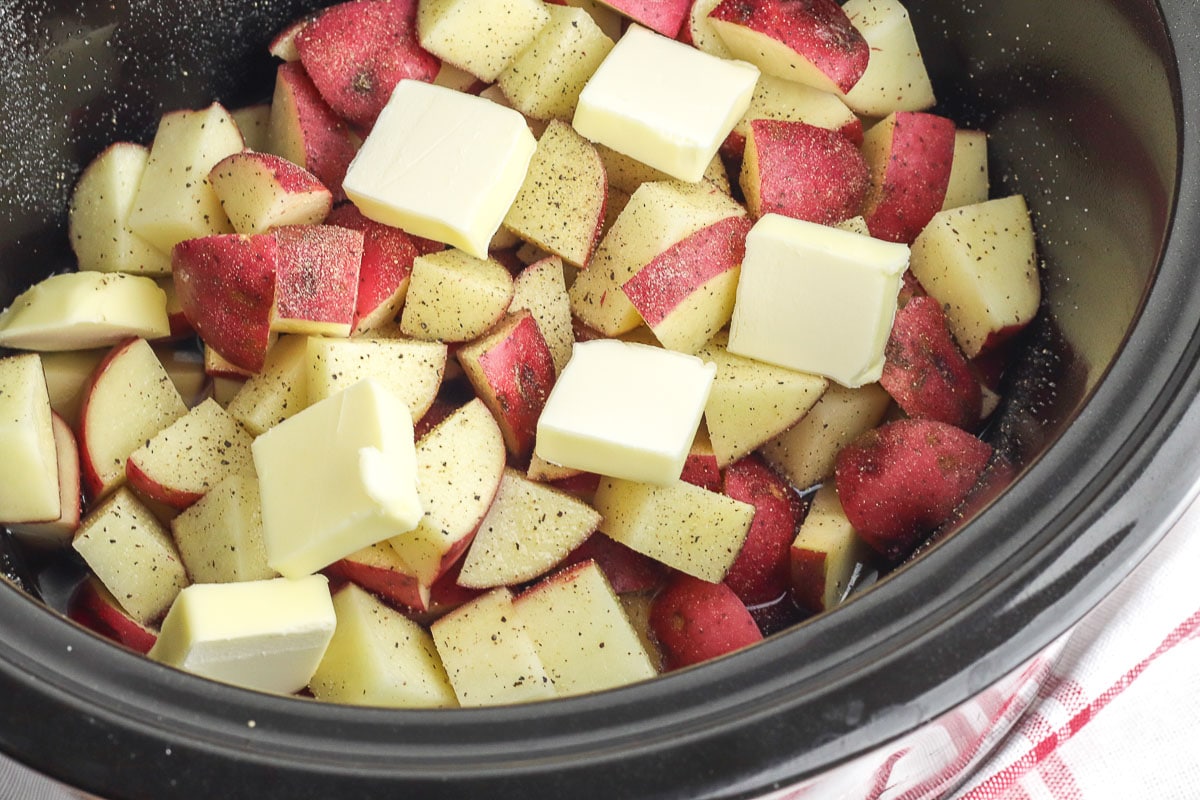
1090 118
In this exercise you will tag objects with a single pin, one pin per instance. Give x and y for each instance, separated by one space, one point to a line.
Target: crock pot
1092 110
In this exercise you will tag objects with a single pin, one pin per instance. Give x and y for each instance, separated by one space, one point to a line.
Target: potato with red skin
627 570
780 99
663 16
226 287
810 41
910 154
701 467
94 607
261 191
899 481
685 294
387 259
378 569
695 621
761 572
802 171
305 130
316 282
357 52
512 371
925 371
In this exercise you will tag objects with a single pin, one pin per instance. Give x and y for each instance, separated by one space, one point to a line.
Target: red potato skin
695 621
508 259
318 272
583 485
387 258
512 371
89 477
392 585
925 372
808 576
700 469
226 288
658 288
662 16
817 29
734 146
806 172
148 485
627 570
853 130
357 52
760 574
90 609
446 595
290 177
327 143
902 480
436 414
910 287
912 185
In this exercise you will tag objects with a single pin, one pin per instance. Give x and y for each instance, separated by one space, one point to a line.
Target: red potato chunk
900 481
387 259
925 371
761 572
306 131
226 287
357 52
802 171
626 569
784 36
663 16
910 154
695 621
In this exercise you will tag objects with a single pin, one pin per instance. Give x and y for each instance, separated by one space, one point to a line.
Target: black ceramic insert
1092 110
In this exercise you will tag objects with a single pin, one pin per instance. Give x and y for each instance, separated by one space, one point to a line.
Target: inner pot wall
1089 119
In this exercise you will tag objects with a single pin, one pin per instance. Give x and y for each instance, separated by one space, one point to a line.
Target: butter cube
441 164
625 410
816 299
337 477
664 103
266 635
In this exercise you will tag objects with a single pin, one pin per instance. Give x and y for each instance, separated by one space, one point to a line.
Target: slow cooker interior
1082 104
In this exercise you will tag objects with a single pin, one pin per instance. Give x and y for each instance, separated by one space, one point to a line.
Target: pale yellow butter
664 103
816 299
625 410
441 164
84 310
267 635
337 477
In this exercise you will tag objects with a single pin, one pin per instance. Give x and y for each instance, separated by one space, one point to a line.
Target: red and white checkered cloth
1119 714
1110 711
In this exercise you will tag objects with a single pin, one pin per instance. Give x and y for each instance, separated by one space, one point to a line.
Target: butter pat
441 164
266 635
625 410
84 310
816 299
664 103
337 477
